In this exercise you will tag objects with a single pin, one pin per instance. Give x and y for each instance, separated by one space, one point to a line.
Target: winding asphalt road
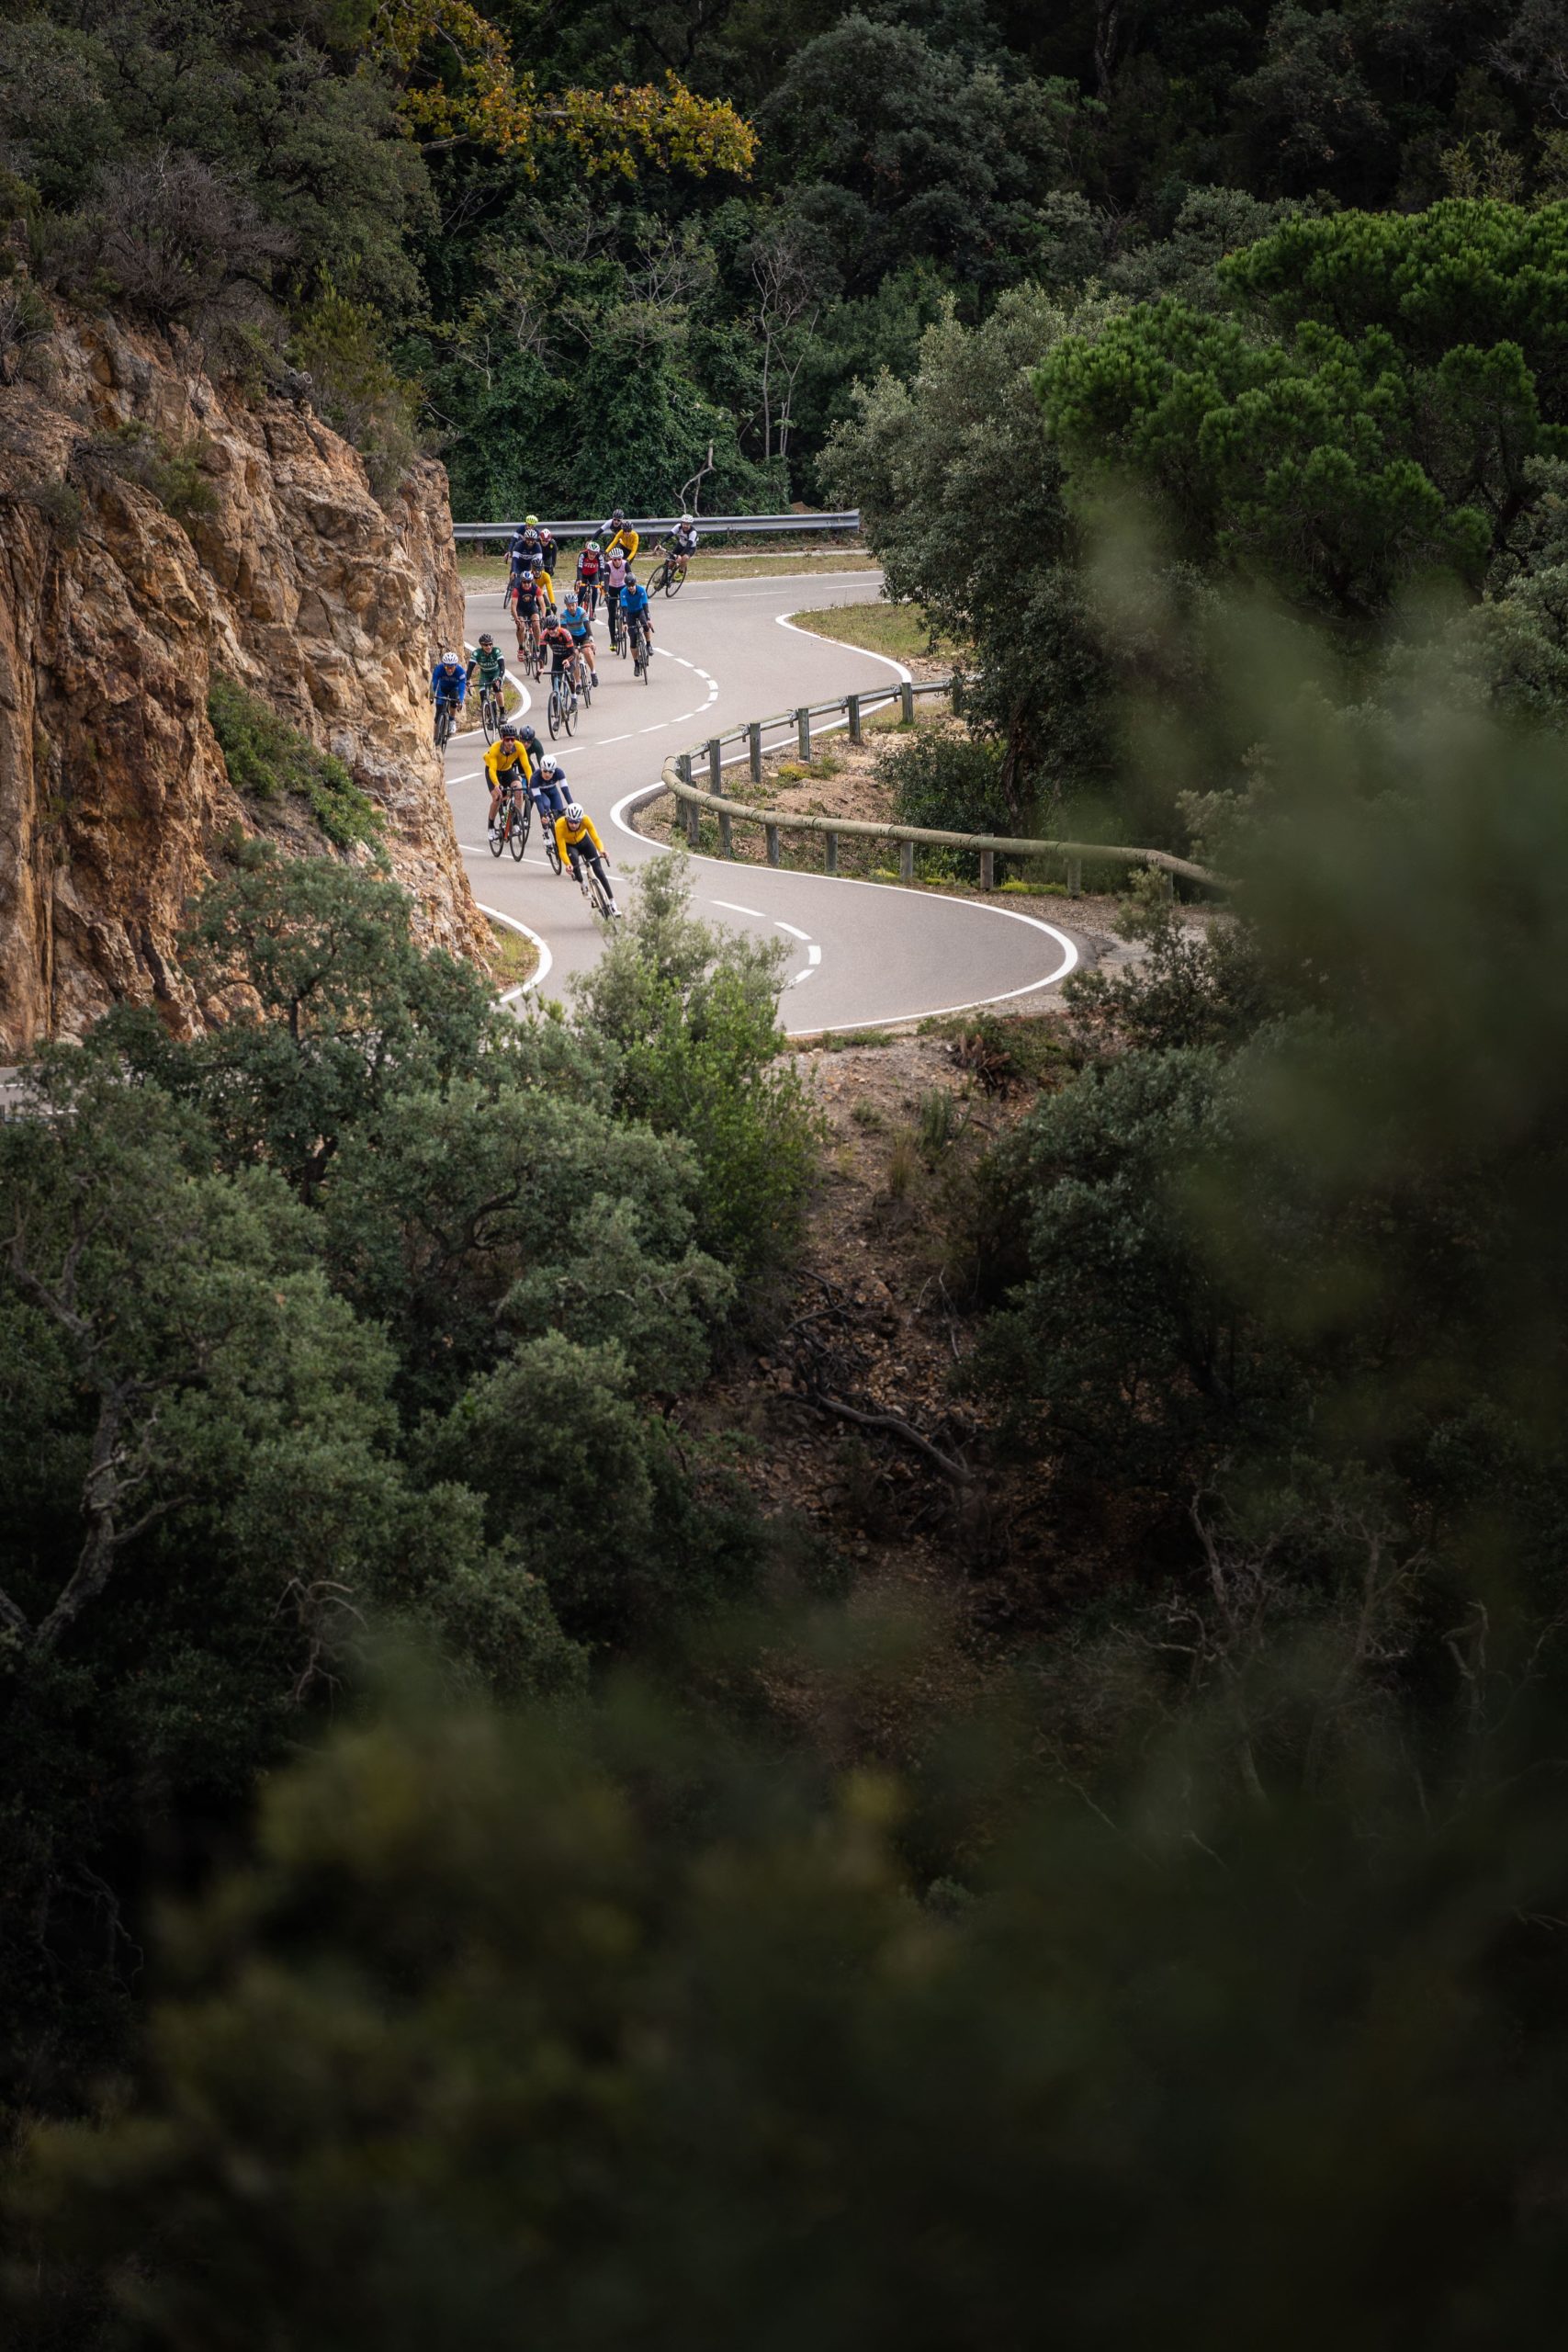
863 954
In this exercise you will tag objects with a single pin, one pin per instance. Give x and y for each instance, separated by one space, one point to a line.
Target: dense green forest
572 296
465 1869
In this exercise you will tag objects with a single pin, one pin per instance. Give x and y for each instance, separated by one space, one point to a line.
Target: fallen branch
895 1425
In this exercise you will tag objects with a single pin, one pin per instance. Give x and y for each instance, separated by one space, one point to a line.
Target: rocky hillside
157 528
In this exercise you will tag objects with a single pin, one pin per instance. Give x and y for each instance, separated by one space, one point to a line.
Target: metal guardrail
846 519
853 711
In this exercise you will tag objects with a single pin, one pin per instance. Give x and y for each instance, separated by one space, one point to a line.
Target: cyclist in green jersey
488 664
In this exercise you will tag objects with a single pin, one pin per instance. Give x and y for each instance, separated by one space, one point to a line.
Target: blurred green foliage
594 2027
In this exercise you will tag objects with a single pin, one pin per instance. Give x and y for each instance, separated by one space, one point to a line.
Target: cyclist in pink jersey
615 581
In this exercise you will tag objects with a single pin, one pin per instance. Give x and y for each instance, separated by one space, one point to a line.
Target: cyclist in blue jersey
548 784
449 684
574 618
635 612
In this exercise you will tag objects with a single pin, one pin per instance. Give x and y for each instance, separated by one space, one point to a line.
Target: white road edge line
784 621
545 958
849 882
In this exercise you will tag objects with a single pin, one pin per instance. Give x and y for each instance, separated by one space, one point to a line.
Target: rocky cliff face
115 802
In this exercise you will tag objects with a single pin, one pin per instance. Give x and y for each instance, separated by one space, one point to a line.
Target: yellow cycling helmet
530 522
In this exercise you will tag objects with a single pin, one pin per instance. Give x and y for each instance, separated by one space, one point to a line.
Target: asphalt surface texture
862 954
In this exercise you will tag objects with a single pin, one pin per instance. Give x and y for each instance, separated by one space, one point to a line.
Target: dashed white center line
791 929
731 909
802 975
814 954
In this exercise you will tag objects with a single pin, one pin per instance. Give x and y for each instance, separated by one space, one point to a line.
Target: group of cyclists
515 763
606 570
521 772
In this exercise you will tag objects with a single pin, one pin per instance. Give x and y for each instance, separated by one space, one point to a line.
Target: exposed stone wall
113 798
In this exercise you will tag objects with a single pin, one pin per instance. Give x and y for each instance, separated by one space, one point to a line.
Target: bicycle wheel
599 896
488 719
677 582
568 710
551 850
519 830
443 726
498 840
553 711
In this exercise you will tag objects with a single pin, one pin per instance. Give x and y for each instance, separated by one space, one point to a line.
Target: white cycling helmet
591 548
448 655
574 812
688 518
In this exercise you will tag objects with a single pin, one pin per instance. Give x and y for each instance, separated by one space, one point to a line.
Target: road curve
863 954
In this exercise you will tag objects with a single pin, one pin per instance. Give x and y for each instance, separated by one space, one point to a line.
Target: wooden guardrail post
830 853
716 786
988 869
905 861
688 808
803 729
754 744
773 833
852 712
907 702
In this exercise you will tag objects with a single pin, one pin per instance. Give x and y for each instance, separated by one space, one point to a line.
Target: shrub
266 759
177 243
27 323
951 782
60 503
692 1014
357 390
172 470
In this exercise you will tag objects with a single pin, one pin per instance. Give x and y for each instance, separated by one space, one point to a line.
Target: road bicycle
562 709
669 578
595 889
642 652
588 596
517 814
529 652
548 836
446 720
489 711
585 681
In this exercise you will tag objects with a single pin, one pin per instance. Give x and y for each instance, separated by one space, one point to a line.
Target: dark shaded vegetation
352 1318
596 1916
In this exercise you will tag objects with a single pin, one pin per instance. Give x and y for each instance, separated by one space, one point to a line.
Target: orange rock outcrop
115 802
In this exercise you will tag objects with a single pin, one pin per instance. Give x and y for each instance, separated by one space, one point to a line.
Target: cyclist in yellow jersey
618 532
509 764
577 840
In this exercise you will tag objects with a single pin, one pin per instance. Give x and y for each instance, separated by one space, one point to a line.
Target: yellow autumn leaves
459 82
